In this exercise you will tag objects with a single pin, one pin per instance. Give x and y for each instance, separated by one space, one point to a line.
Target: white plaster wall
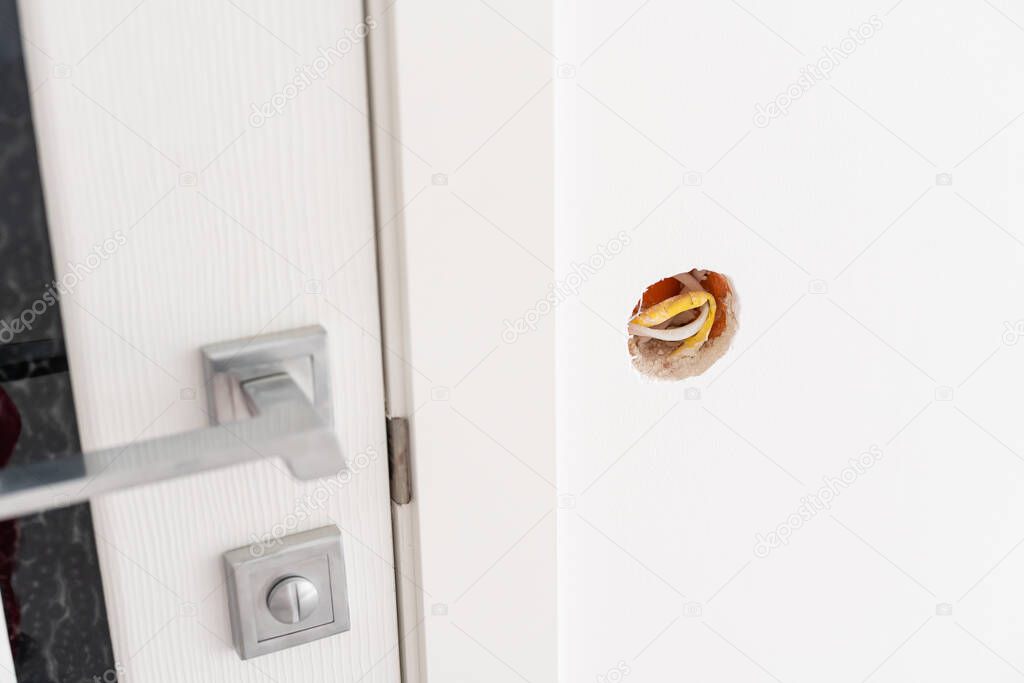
846 253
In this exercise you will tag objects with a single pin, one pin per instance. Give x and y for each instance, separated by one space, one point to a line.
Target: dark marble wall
49 572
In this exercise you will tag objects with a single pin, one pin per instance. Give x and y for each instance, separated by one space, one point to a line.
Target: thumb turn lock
293 599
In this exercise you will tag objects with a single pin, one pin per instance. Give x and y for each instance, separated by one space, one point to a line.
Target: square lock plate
254 570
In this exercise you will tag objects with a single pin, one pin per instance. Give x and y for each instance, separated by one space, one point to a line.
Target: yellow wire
673 306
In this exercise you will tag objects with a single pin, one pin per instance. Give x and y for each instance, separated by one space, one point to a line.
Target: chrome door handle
285 423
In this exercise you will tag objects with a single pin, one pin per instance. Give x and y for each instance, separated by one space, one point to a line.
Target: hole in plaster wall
682 324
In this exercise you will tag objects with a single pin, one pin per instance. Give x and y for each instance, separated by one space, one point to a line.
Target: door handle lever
285 423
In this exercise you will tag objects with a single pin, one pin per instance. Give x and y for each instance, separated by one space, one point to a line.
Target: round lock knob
292 599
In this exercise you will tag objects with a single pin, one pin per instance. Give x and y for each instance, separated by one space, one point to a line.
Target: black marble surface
49 572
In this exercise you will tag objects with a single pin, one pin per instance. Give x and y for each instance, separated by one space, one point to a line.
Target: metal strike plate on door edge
280 420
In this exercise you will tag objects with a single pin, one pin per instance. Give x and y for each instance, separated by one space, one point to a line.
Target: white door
223 147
